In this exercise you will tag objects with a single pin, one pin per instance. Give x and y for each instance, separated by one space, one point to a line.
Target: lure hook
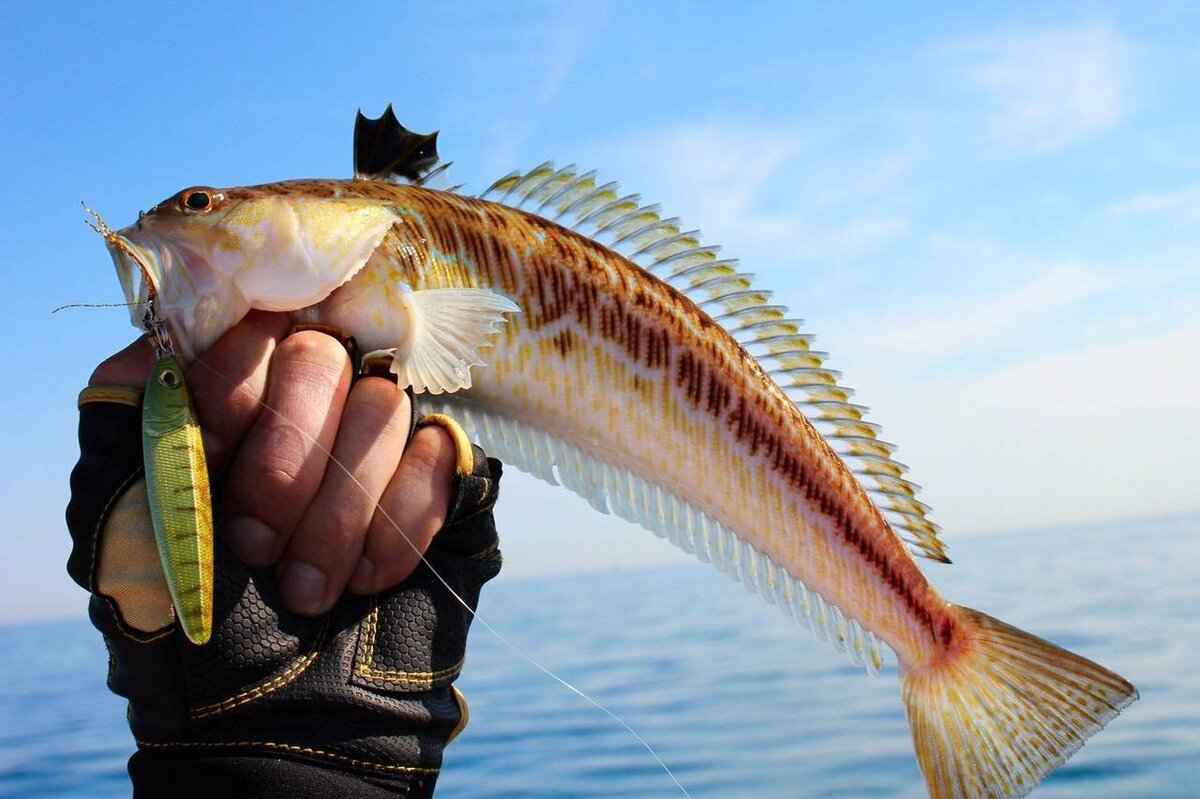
156 327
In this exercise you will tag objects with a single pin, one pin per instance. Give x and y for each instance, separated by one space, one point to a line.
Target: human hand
317 480
358 700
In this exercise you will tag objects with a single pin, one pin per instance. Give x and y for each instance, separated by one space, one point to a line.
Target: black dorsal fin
386 150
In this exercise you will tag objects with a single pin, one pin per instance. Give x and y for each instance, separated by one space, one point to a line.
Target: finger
328 542
279 466
411 511
129 367
227 383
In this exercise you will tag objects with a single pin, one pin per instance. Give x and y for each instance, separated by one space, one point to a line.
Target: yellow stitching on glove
462 444
271 684
129 570
303 750
366 659
121 395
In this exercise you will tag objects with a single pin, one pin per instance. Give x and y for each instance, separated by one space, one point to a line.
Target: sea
735 698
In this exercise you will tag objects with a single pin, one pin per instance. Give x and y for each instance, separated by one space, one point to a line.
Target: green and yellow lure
180 500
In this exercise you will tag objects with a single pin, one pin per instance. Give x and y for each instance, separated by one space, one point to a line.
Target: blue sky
988 216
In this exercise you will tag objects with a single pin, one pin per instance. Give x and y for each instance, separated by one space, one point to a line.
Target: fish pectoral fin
447 329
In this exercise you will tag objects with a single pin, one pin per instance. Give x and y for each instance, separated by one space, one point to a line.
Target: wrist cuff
194 774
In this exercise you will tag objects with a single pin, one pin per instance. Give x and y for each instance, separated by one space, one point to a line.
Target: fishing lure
654 379
178 492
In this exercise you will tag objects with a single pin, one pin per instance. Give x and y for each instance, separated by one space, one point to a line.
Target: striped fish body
628 383
624 389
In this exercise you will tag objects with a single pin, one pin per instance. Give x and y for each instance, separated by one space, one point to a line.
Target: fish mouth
138 268
138 271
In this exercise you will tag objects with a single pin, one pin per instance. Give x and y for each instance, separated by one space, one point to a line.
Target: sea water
737 699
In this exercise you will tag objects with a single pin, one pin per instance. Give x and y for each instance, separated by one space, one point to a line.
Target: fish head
208 256
180 252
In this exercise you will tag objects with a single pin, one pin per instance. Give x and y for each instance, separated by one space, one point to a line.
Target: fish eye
196 200
169 378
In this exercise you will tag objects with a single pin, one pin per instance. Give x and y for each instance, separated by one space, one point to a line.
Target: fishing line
474 614
98 305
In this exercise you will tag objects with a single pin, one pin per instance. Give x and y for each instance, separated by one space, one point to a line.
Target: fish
588 339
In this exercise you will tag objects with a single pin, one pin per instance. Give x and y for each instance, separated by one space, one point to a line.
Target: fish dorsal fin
665 249
613 489
386 150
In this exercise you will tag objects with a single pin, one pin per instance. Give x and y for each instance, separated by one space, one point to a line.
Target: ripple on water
740 701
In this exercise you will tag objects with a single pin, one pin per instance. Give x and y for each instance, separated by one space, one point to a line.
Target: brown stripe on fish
496 252
644 319
759 428
556 274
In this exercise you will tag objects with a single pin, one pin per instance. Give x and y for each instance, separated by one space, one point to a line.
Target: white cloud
547 44
765 190
1104 431
1067 396
561 44
1181 201
1046 89
945 327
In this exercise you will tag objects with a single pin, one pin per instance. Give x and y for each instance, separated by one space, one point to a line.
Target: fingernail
303 588
363 580
252 541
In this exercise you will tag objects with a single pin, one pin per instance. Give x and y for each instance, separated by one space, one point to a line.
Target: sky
987 215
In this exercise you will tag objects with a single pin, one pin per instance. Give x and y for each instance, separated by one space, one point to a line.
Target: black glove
359 702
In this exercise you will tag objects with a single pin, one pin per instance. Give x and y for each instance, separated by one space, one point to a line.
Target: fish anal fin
611 488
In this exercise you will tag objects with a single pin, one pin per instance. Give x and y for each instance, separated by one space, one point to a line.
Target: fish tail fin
1003 708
